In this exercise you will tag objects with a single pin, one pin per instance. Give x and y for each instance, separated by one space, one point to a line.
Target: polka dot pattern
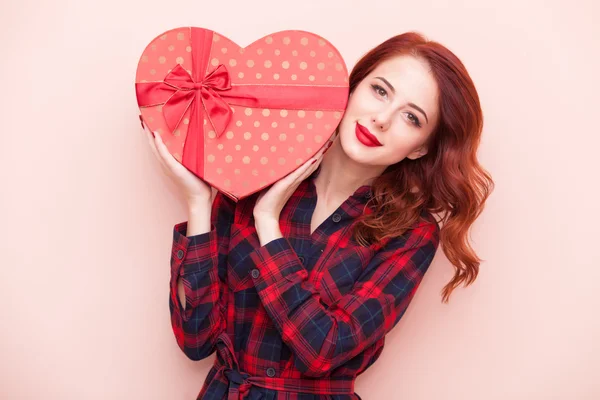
260 146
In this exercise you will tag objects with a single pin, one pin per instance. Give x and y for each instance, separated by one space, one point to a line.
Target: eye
414 120
379 90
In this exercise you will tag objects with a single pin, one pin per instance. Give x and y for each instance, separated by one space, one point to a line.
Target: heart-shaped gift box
241 118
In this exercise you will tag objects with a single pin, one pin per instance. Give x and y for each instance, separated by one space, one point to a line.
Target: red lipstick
366 137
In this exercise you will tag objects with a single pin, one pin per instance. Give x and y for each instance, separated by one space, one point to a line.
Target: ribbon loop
179 78
218 79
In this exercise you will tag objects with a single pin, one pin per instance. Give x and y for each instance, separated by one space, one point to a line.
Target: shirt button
255 273
337 218
301 259
180 254
270 372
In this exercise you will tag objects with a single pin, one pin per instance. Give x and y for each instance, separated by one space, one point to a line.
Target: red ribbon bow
187 91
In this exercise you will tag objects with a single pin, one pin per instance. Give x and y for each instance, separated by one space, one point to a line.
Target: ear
417 153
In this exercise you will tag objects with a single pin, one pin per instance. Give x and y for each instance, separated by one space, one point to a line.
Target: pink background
86 214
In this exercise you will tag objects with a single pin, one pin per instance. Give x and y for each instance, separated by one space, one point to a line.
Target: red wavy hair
448 181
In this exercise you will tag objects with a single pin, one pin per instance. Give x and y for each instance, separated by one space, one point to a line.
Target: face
396 104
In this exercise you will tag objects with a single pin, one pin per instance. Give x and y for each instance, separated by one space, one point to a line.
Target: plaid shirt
301 316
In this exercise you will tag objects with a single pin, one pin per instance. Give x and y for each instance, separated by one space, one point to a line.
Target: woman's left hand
270 202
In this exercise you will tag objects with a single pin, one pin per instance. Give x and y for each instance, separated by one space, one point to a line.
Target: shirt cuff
194 253
276 262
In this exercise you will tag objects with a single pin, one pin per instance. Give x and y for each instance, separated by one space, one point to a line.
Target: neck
341 176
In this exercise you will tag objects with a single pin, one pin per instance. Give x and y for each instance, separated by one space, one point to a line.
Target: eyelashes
380 91
414 120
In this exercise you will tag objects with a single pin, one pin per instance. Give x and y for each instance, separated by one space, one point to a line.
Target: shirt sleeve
325 338
201 262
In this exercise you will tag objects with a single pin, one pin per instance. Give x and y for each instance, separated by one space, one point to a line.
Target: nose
382 121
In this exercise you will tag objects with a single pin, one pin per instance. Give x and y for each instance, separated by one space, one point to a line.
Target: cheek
397 149
361 101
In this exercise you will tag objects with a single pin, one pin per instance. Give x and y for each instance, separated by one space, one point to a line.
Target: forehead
412 80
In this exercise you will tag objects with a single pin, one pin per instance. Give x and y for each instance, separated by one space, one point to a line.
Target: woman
295 287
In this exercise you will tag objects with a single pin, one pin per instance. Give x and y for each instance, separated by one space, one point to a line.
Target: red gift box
241 118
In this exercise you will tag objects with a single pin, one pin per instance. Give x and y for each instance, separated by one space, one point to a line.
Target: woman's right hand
193 188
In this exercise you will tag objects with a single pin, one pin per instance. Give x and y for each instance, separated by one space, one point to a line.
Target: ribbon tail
193 150
175 108
218 112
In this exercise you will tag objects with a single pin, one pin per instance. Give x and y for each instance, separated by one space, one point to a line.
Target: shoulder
424 233
428 222
427 229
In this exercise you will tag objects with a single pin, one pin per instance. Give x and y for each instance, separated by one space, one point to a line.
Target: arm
198 223
198 272
323 339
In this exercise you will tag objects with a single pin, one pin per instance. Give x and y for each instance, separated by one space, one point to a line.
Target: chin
355 150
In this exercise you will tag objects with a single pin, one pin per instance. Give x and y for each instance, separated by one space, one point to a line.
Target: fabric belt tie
240 383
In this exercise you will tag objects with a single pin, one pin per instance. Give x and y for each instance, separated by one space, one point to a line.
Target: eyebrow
413 105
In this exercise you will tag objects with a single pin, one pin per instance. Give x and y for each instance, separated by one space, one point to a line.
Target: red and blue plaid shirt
301 316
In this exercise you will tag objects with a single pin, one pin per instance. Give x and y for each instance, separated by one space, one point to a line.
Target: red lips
366 137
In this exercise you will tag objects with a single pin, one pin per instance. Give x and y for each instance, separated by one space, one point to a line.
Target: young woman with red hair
295 287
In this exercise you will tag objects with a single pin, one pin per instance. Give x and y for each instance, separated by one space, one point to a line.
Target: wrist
199 204
265 222
267 230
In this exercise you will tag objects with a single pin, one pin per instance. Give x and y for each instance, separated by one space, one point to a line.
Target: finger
147 132
166 156
305 170
326 147
162 148
315 161
152 144
291 178
154 150
145 127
